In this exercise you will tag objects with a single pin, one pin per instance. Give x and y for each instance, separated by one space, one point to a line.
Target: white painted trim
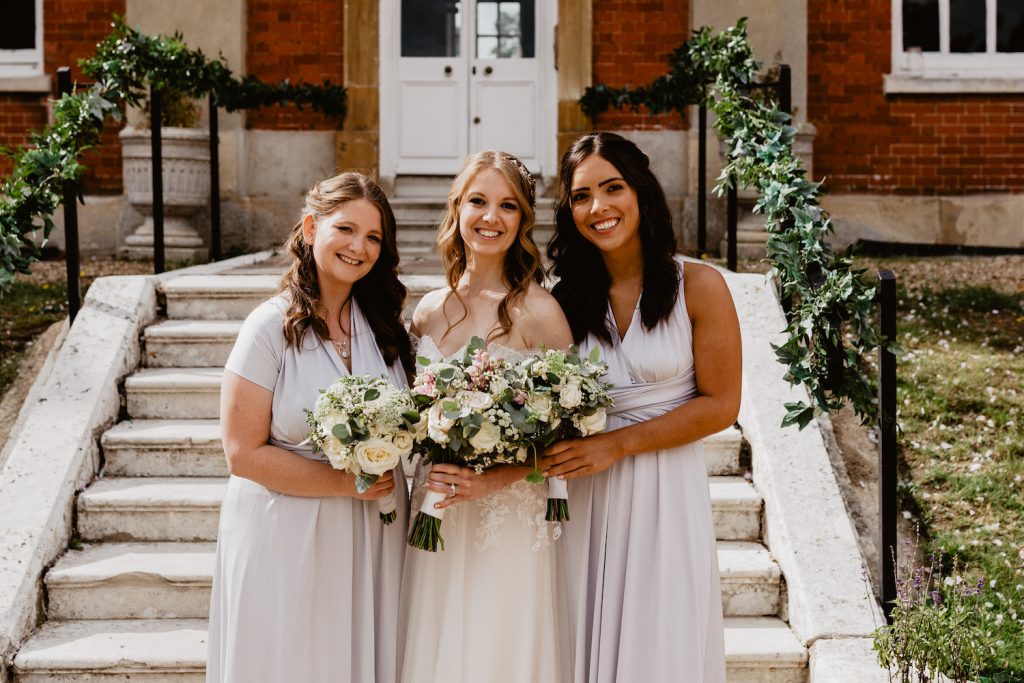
939 72
389 53
25 63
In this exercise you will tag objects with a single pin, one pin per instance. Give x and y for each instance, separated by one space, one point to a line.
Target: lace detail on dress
530 503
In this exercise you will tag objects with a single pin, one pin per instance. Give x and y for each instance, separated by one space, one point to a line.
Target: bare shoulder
428 308
705 289
544 322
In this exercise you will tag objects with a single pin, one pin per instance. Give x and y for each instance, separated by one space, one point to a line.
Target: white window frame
25 63
945 71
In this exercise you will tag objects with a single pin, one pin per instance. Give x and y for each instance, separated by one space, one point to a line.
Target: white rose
487 438
498 385
419 430
592 424
335 452
403 442
479 401
540 404
376 456
437 424
570 396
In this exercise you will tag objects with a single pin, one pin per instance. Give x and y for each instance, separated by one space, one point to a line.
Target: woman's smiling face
604 206
345 243
490 216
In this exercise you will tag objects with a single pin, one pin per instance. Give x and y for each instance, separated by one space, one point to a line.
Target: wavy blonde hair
522 261
380 294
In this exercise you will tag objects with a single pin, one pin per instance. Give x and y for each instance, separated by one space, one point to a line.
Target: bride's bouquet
473 413
567 399
362 425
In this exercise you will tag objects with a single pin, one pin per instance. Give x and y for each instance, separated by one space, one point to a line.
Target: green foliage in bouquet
826 291
126 63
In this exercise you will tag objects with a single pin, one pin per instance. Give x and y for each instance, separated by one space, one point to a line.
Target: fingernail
561 476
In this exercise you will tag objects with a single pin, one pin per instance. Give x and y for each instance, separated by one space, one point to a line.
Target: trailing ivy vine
126 63
826 292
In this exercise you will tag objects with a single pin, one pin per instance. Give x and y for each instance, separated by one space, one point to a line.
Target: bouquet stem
426 529
558 500
386 508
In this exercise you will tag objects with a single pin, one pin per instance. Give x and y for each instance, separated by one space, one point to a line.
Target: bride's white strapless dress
483 609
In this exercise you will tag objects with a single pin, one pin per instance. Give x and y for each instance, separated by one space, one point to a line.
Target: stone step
232 297
187 509
132 581
151 509
149 651
179 393
172 581
757 650
164 448
192 448
190 343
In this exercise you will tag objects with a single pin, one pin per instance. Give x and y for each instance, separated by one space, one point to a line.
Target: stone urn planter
186 177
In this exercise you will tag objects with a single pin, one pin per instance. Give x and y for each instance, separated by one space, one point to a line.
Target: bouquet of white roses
567 399
362 425
473 413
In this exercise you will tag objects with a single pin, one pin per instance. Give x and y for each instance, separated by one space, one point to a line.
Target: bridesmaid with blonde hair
307 577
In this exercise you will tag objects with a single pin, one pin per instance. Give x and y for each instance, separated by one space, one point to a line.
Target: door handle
448 71
476 119
488 71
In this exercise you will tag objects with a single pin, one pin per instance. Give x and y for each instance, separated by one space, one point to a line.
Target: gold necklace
342 344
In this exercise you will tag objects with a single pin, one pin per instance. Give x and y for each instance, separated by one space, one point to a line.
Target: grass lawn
961 402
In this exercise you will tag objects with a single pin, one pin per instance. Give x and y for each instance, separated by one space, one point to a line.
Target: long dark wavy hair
582 289
380 294
522 261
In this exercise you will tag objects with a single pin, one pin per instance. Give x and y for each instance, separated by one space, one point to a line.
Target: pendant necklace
342 344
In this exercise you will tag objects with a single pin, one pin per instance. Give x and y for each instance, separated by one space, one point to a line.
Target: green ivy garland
126 63
826 291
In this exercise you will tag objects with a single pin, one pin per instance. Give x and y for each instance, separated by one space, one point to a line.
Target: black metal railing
71 192
784 89
888 507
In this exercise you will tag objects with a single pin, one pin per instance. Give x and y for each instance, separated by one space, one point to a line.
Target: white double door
469 79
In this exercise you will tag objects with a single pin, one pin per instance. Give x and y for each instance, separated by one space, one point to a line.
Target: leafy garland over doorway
126 63
825 290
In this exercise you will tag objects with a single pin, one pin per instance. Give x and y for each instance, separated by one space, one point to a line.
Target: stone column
575 68
356 147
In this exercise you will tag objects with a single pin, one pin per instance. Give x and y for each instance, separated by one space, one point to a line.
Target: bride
484 608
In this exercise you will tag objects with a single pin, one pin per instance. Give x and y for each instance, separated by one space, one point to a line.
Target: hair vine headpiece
525 172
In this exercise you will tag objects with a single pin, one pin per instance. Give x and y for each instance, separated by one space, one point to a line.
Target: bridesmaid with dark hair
637 565
306 580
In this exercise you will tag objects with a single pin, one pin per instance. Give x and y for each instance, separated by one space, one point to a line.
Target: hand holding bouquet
568 399
362 425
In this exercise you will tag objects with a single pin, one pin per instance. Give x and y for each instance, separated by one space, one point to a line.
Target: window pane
509 47
921 25
18 28
966 26
487 47
487 18
1010 26
430 28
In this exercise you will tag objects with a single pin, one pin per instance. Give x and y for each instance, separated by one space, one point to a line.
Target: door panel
508 118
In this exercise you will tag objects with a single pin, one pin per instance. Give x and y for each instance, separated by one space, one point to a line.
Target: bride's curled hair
522 262
380 294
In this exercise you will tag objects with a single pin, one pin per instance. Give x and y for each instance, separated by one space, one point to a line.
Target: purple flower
937 598
918 572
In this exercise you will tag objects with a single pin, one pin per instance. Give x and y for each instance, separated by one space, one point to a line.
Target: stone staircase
130 602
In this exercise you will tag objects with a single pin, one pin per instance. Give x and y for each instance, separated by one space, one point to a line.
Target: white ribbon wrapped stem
558 488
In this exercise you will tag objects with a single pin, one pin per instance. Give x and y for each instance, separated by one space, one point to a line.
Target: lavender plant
942 625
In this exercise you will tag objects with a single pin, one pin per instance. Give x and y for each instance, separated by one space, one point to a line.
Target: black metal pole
214 181
786 89
155 106
887 504
702 180
71 255
732 218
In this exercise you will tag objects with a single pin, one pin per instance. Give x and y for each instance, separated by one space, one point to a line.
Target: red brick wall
71 29
301 41
905 144
632 40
